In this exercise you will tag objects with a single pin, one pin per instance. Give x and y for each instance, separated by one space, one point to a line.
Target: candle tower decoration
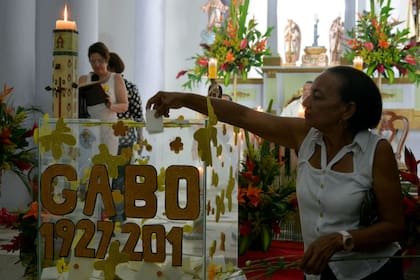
65 52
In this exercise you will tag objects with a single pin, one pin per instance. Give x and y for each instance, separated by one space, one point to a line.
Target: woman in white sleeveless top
339 159
113 84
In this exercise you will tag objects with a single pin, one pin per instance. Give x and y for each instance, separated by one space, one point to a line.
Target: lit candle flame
65 12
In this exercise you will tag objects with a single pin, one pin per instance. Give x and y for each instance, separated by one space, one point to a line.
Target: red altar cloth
278 248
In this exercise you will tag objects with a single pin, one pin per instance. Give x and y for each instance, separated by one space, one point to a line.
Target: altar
281 83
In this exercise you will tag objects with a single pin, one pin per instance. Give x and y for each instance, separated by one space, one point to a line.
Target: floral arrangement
411 201
14 152
383 47
263 201
237 46
25 242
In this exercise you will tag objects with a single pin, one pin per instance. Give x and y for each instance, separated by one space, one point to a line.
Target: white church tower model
65 52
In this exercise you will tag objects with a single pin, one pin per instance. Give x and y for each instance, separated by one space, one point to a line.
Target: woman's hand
319 253
163 101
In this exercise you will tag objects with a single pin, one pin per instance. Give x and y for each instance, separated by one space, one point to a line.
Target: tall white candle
65 24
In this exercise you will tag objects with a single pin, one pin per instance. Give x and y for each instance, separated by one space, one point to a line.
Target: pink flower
369 46
244 44
410 59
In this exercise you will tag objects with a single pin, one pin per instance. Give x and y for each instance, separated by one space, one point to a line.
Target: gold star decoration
111 161
145 144
176 145
220 205
120 129
229 189
54 141
114 258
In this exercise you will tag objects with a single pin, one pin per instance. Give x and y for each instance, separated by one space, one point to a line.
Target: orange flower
253 195
260 46
241 195
211 271
5 137
226 42
33 211
229 57
231 30
383 44
6 91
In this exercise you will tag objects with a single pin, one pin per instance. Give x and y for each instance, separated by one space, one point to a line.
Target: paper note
153 124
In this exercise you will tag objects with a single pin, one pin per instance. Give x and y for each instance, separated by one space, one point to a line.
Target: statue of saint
336 40
292 38
215 10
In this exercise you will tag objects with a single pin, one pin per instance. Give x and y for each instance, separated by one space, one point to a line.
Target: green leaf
244 243
266 237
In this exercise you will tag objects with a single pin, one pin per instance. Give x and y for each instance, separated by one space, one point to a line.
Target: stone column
150 47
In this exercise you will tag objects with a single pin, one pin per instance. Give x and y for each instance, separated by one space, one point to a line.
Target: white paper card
153 124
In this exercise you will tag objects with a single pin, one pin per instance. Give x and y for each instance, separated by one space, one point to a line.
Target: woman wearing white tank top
114 86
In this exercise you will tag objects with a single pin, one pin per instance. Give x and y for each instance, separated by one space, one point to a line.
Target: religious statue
316 36
336 40
292 37
215 10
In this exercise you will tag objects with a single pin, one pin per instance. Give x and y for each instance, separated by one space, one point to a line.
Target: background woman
113 85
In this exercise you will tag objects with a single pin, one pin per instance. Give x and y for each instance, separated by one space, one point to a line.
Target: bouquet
25 242
238 46
411 201
383 47
263 201
15 154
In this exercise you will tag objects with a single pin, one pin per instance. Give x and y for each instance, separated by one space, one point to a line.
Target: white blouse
330 201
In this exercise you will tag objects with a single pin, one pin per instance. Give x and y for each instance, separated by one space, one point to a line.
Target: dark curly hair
359 88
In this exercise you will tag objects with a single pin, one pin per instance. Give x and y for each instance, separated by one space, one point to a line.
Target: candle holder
358 63
215 90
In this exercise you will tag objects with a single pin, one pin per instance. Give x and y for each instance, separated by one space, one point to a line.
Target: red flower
205 46
8 220
202 61
410 206
381 68
22 165
181 73
30 132
245 228
276 227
